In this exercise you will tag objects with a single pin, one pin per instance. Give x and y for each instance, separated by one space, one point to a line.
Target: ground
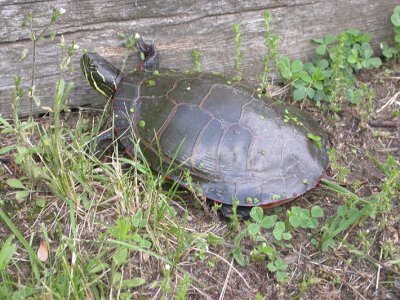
363 264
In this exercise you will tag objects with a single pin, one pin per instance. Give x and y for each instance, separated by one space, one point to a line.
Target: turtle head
101 74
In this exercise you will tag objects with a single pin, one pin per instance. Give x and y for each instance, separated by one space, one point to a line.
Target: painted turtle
259 151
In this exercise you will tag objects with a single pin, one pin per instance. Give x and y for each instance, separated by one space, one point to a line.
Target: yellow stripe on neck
97 87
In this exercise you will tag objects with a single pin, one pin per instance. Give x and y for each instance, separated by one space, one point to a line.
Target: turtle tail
151 56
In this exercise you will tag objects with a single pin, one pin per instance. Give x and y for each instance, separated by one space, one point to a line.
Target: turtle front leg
100 144
151 56
242 212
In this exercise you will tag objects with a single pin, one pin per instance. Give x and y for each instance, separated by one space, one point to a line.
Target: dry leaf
43 252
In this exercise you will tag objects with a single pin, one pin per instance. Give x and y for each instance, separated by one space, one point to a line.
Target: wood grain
177 26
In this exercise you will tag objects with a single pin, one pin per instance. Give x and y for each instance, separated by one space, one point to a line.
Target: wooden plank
178 26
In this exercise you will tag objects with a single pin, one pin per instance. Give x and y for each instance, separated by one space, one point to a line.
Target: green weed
238 56
271 55
128 42
183 288
304 218
196 60
307 282
390 185
271 235
237 252
344 218
330 76
340 171
355 209
265 247
234 218
34 39
388 51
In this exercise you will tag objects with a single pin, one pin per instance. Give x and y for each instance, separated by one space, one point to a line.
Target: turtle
236 144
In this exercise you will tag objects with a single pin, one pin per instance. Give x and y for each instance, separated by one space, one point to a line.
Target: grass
141 217
59 165
78 227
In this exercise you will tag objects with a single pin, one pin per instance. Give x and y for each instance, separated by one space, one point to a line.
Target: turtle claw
151 55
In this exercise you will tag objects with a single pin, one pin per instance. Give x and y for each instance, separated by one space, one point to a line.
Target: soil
336 274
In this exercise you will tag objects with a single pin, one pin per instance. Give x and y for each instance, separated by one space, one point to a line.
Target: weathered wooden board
178 26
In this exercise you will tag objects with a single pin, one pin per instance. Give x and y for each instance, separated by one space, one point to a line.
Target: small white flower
62 11
76 47
167 267
137 35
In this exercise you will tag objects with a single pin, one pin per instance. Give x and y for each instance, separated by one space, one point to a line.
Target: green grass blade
6 252
337 188
140 249
377 163
21 239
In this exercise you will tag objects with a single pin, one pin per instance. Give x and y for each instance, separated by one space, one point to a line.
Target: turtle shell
235 145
